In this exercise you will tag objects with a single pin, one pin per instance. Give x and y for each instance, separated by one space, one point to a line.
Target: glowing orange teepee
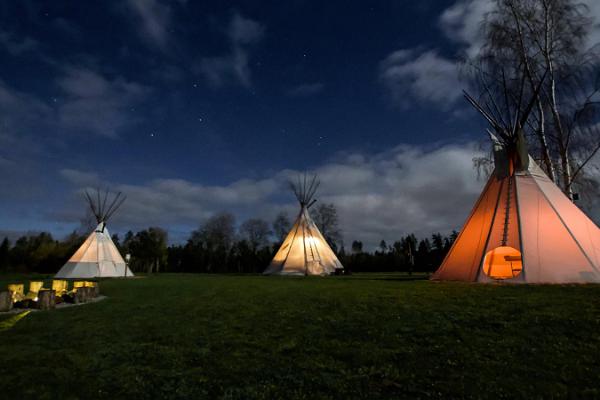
523 228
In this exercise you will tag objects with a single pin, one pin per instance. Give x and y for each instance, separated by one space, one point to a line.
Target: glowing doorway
503 263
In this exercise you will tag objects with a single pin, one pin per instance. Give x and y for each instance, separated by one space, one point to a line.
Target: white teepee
304 250
523 229
98 257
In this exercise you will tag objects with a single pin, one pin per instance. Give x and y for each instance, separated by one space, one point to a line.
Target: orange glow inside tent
503 262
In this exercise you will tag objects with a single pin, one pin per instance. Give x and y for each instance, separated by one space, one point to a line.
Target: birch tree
534 40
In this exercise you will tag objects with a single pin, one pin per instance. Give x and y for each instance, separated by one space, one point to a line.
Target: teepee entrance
502 260
304 250
503 263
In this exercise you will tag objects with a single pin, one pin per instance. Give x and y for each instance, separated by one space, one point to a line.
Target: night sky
196 107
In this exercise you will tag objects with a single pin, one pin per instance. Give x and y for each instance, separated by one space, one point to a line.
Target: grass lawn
364 336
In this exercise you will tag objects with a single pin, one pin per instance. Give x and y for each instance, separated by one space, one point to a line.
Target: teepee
304 250
98 257
523 229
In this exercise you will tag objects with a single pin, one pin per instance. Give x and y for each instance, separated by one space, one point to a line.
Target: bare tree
281 226
326 219
87 223
357 247
217 232
537 41
216 238
256 232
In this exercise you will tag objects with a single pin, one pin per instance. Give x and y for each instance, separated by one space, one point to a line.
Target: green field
363 336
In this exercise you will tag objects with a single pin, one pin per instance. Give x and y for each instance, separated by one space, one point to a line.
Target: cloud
20 115
23 119
80 178
243 31
68 28
233 67
176 202
462 21
155 18
426 76
17 46
89 102
306 89
97 104
378 196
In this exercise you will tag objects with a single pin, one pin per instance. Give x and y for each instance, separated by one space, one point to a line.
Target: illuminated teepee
523 228
98 257
304 250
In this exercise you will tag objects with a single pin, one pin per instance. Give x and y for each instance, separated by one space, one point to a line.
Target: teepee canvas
98 257
304 250
523 229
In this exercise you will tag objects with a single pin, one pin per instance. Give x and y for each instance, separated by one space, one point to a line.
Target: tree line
219 245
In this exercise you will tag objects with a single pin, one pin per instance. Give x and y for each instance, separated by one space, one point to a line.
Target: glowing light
12 321
503 263
312 241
